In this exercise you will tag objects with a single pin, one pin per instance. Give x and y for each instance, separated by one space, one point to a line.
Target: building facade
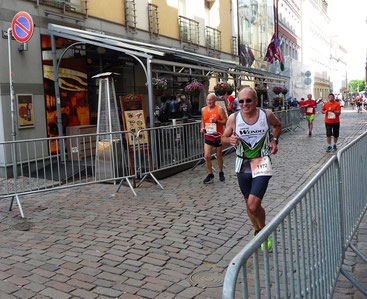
316 45
199 27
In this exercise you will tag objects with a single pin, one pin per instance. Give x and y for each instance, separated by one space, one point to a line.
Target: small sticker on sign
74 150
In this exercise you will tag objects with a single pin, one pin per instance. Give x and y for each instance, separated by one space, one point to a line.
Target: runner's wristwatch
276 140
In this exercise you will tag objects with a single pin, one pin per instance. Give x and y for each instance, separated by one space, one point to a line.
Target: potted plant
194 88
159 86
223 88
277 101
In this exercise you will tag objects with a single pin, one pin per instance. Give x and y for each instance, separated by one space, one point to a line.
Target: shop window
130 15
189 30
153 19
213 38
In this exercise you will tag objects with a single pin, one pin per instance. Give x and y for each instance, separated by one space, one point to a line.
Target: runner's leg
208 157
220 158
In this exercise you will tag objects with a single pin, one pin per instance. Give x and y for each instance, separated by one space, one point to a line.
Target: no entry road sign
22 26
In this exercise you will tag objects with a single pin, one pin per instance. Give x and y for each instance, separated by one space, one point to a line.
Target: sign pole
12 104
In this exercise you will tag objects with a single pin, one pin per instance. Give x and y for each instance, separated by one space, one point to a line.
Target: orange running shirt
335 106
214 114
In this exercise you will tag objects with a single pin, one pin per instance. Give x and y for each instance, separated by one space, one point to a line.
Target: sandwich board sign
22 27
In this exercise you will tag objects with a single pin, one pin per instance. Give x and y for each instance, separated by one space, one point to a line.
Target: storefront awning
186 64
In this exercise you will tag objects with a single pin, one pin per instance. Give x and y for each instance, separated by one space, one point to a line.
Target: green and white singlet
253 142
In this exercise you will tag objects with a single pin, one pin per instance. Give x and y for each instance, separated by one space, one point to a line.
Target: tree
354 83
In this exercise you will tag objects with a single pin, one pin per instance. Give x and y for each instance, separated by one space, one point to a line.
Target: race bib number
211 128
331 115
261 167
309 110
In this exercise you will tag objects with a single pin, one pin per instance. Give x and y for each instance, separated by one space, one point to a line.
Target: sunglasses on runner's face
242 101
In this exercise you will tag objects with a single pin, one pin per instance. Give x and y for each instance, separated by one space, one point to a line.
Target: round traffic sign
307 81
308 74
22 26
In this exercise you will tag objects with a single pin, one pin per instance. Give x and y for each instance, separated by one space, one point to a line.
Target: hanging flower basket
159 86
277 90
260 90
223 88
284 91
194 88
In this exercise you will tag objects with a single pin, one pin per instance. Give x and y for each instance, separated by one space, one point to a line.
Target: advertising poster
73 87
25 110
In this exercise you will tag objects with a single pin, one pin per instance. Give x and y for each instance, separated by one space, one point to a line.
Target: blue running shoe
334 147
328 149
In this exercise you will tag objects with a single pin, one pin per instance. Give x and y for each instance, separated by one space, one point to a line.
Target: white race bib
331 115
261 167
211 128
309 110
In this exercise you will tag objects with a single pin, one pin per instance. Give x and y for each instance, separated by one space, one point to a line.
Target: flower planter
194 93
221 93
158 92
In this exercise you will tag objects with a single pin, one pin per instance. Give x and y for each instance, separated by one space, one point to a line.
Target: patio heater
108 146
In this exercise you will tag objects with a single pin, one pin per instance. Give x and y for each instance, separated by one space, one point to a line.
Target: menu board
134 122
133 116
222 103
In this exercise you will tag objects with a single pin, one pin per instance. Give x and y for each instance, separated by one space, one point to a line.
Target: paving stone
107 291
54 293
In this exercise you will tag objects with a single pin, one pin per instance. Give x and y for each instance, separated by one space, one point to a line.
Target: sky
348 22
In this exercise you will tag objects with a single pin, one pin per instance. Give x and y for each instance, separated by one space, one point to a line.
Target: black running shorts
255 186
332 129
215 143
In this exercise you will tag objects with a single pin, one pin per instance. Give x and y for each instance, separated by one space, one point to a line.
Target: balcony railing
79 6
189 30
213 39
234 45
153 19
130 15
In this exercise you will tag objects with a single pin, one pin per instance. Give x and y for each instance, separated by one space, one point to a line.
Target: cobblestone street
91 242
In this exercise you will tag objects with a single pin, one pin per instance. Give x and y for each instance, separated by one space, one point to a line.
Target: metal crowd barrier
289 118
168 146
46 164
310 235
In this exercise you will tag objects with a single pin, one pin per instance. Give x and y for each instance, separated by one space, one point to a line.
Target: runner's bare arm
202 130
277 129
229 137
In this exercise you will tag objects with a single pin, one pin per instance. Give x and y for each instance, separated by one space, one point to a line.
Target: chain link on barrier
310 235
44 165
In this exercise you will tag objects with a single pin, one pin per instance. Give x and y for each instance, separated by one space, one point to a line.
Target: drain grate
23 226
207 279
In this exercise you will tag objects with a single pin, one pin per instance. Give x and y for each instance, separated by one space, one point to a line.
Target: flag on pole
274 50
270 51
279 55
251 56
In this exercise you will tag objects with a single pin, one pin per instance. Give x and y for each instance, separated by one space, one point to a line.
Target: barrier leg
354 282
197 163
18 203
11 203
128 182
142 180
155 179
360 254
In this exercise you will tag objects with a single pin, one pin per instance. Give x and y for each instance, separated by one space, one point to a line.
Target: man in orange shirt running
332 110
213 118
309 105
